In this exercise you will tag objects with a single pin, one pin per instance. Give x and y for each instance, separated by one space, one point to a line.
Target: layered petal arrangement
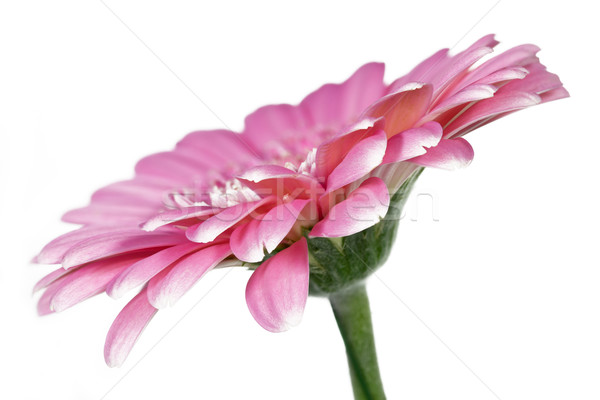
325 168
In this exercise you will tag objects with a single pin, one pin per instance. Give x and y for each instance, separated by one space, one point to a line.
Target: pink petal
89 280
538 81
113 243
54 252
126 329
145 269
278 130
177 168
335 105
505 74
360 160
465 96
267 129
168 286
48 279
262 172
177 215
554 94
248 241
273 180
363 208
217 148
102 214
422 72
456 66
448 154
401 109
208 230
412 142
333 151
500 103
514 57
277 291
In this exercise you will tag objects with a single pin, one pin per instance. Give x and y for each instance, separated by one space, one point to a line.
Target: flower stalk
353 316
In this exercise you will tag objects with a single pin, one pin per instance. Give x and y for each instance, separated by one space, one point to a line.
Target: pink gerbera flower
276 196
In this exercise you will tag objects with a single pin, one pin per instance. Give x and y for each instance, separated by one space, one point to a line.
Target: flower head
332 166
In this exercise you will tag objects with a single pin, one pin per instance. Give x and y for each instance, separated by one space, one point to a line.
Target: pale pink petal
262 172
127 328
177 215
401 109
277 291
269 128
54 252
412 142
43 305
500 103
217 148
505 74
90 280
448 154
172 283
51 277
277 130
208 230
143 270
514 57
338 105
538 81
273 180
113 243
554 94
104 214
178 168
456 66
467 95
360 160
363 208
139 190
422 72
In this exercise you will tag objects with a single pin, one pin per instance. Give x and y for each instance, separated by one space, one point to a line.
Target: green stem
353 316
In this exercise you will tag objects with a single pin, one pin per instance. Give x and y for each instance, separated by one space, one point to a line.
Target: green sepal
339 263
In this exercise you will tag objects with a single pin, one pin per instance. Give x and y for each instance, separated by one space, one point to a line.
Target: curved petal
403 108
268 180
500 103
113 243
208 230
168 286
337 105
360 160
177 215
333 151
90 280
277 130
127 328
277 291
248 241
412 142
54 252
363 208
50 278
148 267
448 154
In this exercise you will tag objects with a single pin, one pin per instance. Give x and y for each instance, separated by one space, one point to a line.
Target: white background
507 278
